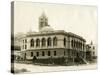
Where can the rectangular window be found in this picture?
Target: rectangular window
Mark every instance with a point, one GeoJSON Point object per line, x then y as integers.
{"type": "Point", "coordinates": [64, 52]}
{"type": "Point", "coordinates": [54, 53]}
{"type": "Point", "coordinates": [31, 54]}
{"type": "Point", "coordinates": [37, 54]}
{"type": "Point", "coordinates": [48, 53]}
{"type": "Point", "coordinates": [43, 54]}
{"type": "Point", "coordinates": [25, 46]}
{"type": "Point", "coordinates": [64, 41]}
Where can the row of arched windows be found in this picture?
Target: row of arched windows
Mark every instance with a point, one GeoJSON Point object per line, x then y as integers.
{"type": "Point", "coordinates": [77, 44]}
{"type": "Point", "coordinates": [43, 42]}
{"type": "Point", "coordinates": [49, 42]}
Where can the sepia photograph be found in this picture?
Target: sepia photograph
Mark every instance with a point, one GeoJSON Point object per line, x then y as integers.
{"type": "Point", "coordinates": [50, 37]}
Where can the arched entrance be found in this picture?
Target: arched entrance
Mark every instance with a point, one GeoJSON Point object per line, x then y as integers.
{"type": "Point", "coordinates": [34, 59]}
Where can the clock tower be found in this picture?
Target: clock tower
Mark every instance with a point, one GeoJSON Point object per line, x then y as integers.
{"type": "Point", "coordinates": [43, 21]}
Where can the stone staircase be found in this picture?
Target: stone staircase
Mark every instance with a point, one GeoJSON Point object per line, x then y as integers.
{"type": "Point", "coordinates": [84, 61]}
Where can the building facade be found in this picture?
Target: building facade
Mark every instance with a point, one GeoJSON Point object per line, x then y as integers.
{"type": "Point", "coordinates": [49, 43]}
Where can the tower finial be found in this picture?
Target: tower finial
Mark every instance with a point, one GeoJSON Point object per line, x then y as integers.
{"type": "Point", "coordinates": [43, 14]}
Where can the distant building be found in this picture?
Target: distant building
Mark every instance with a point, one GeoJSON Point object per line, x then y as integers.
{"type": "Point", "coordinates": [52, 44]}
{"type": "Point", "coordinates": [91, 51]}
{"type": "Point", "coordinates": [16, 46]}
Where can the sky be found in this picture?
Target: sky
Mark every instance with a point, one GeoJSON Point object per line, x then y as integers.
{"type": "Point", "coordinates": [78, 19]}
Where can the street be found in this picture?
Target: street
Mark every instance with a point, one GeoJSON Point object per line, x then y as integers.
{"type": "Point", "coordinates": [37, 68]}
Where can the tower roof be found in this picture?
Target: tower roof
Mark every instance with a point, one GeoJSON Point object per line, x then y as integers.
{"type": "Point", "coordinates": [43, 15]}
{"type": "Point", "coordinates": [47, 29]}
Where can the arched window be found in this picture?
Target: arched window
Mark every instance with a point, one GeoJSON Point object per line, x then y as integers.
{"type": "Point", "coordinates": [43, 42]}
{"type": "Point", "coordinates": [37, 42]}
{"type": "Point", "coordinates": [76, 44]}
{"type": "Point", "coordinates": [54, 41]}
{"type": "Point", "coordinates": [72, 43]}
{"type": "Point", "coordinates": [64, 41]}
{"type": "Point", "coordinates": [32, 43]}
{"type": "Point", "coordinates": [83, 46]}
{"type": "Point", "coordinates": [49, 41]}
{"type": "Point", "coordinates": [79, 45]}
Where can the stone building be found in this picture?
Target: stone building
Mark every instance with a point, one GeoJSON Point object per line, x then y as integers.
{"type": "Point", "coordinates": [52, 44]}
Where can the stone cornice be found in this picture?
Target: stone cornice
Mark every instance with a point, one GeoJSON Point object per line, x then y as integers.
{"type": "Point", "coordinates": [56, 32]}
